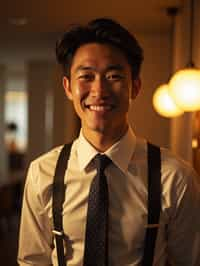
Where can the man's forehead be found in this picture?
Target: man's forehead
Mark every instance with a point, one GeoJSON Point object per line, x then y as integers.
{"type": "Point", "coordinates": [93, 51]}
{"type": "Point", "coordinates": [89, 66]}
{"type": "Point", "coordinates": [96, 55]}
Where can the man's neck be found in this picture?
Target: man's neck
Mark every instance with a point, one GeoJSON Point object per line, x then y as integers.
{"type": "Point", "coordinates": [102, 141]}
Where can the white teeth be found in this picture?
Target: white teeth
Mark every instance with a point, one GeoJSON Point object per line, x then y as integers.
{"type": "Point", "coordinates": [99, 107]}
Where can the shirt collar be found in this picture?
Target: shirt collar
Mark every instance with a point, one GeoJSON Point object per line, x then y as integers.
{"type": "Point", "coordinates": [120, 152]}
{"type": "Point", "coordinates": [85, 151]}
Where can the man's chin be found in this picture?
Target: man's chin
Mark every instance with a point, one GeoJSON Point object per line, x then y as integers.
{"type": "Point", "coordinates": [99, 128]}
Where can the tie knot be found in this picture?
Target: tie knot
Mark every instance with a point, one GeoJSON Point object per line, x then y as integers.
{"type": "Point", "coordinates": [102, 161]}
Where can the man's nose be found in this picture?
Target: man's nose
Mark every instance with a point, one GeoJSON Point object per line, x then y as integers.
{"type": "Point", "coordinates": [100, 87]}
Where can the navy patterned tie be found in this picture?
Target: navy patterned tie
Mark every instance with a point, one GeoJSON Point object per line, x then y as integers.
{"type": "Point", "coordinates": [96, 240]}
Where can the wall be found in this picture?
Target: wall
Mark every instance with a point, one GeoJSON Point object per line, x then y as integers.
{"type": "Point", "coordinates": [181, 127]}
{"type": "Point", "coordinates": [3, 157]}
{"type": "Point", "coordinates": [197, 34]}
{"type": "Point", "coordinates": [39, 83]}
{"type": "Point", "coordinates": [155, 71]}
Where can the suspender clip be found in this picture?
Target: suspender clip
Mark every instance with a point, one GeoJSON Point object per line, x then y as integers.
{"type": "Point", "coordinates": [58, 233]}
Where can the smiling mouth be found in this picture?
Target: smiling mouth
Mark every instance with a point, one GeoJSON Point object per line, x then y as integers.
{"type": "Point", "coordinates": [99, 107]}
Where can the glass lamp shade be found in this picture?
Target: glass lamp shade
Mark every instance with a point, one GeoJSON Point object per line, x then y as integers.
{"type": "Point", "coordinates": [184, 88]}
{"type": "Point", "coordinates": [164, 104]}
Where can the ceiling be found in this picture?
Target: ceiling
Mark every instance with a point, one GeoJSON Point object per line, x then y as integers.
{"type": "Point", "coordinates": [53, 16]}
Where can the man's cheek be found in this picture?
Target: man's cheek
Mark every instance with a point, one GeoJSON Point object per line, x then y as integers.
{"type": "Point", "coordinates": [80, 92]}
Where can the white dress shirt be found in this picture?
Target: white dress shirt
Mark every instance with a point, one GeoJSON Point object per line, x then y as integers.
{"type": "Point", "coordinates": [179, 228]}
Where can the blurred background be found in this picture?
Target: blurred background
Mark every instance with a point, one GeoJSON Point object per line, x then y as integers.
{"type": "Point", "coordinates": [34, 112]}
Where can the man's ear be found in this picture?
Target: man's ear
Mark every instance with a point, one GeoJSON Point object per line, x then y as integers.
{"type": "Point", "coordinates": [136, 86]}
{"type": "Point", "coordinates": [66, 85]}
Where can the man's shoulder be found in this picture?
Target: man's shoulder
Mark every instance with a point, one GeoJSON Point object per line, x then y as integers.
{"type": "Point", "coordinates": [47, 161]}
{"type": "Point", "coordinates": [169, 160]}
{"type": "Point", "coordinates": [176, 171]}
{"type": "Point", "coordinates": [42, 169]}
{"type": "Point", "coordinates": [48, 157]}
{"type": "Point", "coordinates": [173, 161]}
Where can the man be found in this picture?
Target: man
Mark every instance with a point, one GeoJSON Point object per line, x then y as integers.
{"type": "Point", "coordinates": [101, 63]}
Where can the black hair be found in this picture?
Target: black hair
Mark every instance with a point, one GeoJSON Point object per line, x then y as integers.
{"type": "Point", "coordinates": [101, 30]}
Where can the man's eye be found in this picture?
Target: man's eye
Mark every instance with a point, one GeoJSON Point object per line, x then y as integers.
{"type": "Point", "coordinates": [115, 77]}
{"type": "Point", "coordinates": [86, 77]}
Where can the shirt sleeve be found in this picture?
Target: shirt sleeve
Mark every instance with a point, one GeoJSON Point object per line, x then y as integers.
{"type": "Point", "coordinates": [183, 233]}
{"type": "Point", "coordinates": [35, 238]}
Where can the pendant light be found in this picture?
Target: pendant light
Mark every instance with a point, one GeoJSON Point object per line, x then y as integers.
{"type": "Point", "coordinates": [164, 104]}
{"type": "Point", "coordinates": [162, 101]}
{"type": "Point", "coordinates": [184, 86]}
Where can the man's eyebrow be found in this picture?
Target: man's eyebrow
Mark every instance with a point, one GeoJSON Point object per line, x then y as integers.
{"type": "Point", "coordinates": [82, 67]}
{"type": "Point", "coordinates": [115, 67]}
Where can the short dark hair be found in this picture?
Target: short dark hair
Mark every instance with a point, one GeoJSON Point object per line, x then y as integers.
{"type": "Point", "coordinates": [101, 30]}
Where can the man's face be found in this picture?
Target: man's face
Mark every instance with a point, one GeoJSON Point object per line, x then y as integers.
{"type": "Point", "coordinates": [101, 87]}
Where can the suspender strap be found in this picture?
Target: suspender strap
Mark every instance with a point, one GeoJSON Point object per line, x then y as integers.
{"type": "Point", "coordinates": [58, 199]}
{"type": "Point", "coordinates": [154, 203]}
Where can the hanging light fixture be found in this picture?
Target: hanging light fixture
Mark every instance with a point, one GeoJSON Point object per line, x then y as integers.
{"type": "Point", "coordinates": [164, 104]}
{"type": "Point", "coordinates": [184, 86]}
{"type": "Point", "coordinates": [162, 101]}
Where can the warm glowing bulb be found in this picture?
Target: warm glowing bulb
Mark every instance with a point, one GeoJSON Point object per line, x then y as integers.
{"type": "Point", "coordinates": [164, 104]}
{"type": "Point", "coordinates": [194, 143]}
{"type": "Point", "coordinates": [185, 89]}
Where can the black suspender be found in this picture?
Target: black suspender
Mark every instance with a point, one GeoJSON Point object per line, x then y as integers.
{"type": "Point", "coordinates": [58, 199]}
{"type": "Point", "coordinates": [154, 202]}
